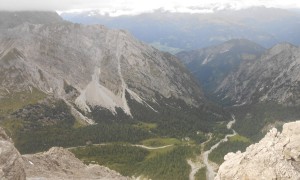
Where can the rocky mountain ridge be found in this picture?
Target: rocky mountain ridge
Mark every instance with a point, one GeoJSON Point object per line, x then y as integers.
{"type": "Point", "coordinates": [272, 77]}
{"type": "Point", "coordinates": [207, 55]}
{"type": "Point", "coordinates": [97, 65]}
{"type": "Point", "coordinates": [212, 65]}
{"type": "Point", "coordinates": [276, 156]}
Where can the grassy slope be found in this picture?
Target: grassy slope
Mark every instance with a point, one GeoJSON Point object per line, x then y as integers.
{"type": "Point", "coordinates": [50, 123]}
{"type": "Point", "coordinates": [14, 101]}
{"type": "Point", "coordinates": [234, 144]}
{"type": "Point", "coordinates": [33, 134]}
{"type": "Point", "coordinates": [166, 163]}
{"type": "Point", "coordinates": [201, 174]}
{"type": "Point", "coordinates": [251, 120]}
{"type": "Point", "coordinates": [122, 158]}
{"type": "Point", "coordinates": [156, 142]}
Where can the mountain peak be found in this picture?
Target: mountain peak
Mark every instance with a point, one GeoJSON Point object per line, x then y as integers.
{"type": "Point", "coordinates": [282, 46]}
{"type": "Point", "coordinates": [10, 19]}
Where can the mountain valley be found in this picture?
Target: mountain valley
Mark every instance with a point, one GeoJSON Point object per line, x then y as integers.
{"type": "Point", "coordinates": [69, 85]}
{"type": "Point", "coordinates": [89, 102]}
{"type": "Point", "coordinates": [213, 64]}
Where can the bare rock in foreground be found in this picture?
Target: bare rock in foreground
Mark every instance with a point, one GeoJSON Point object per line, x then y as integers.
{"type": "Point", "coordinates": [11, 163]}
{"type": "Point", "coordinates": [59, 163]}
{"type": "Point", "coordinates": [276, 156]}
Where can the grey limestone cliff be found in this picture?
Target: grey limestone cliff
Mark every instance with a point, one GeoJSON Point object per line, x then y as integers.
{"type": "Point", "coordinates": [272, 77]}
{"type": "Point", "coordinates": [276, 156]}
{"type": "Point", "coordinates": [101, 64]}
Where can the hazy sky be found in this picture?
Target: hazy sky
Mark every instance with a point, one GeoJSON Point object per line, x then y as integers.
{"type": "Point", "coordinates": [117, 7]}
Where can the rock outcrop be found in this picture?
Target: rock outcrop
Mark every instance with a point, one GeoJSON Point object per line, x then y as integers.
{"type": "Point", "coordinates": [276, 156]}
{"type": "Point", "coordinates": [11, 163]}
{"type": "Point", "coordinates": [57, 163]}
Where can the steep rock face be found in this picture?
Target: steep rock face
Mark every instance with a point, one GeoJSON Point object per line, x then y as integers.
{"type": "Point", "coordinates": [59, 163]}
{"type": "Point", "coordinates": [101, 65]}
{"type": "Point", "coordinates": [211, 65]}
{"type": "Point", "coordinates": [276, 156]}
{"type": "Point", "coordinates": [272, 77]}
{"type": "Point", "coordinates": [11, 163]}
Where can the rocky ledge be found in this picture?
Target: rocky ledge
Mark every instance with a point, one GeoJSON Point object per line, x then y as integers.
{"type": "Point", "coordinates": [57, 163]}
{"type": "Point", "coordinates": [276, 156]}
{"type": "Point", "coordinates": [11, 162]}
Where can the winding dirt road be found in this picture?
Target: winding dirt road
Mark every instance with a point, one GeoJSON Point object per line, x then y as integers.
{"type": "Point", "coordinates": [210, 173]}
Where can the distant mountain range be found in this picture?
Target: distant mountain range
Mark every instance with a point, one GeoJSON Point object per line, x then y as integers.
{"type": "Point", "coordinates": [272, 77]}
{"type": "Point", "coordinates": [175, 32]}
{"type": "Point", "coordinates": [68, 84]}
{"type": "Point", "coordinates": [213, 64]}
{"type": "Point", "coordinates": [260, 86]}
{"type": "Point", "coordinates": [245, 73]}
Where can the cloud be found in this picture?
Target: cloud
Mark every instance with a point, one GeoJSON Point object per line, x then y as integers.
{"type": "Point", "coordinates": [138, 6]}
{"type": "Point", "coordinates": [53, 4]}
